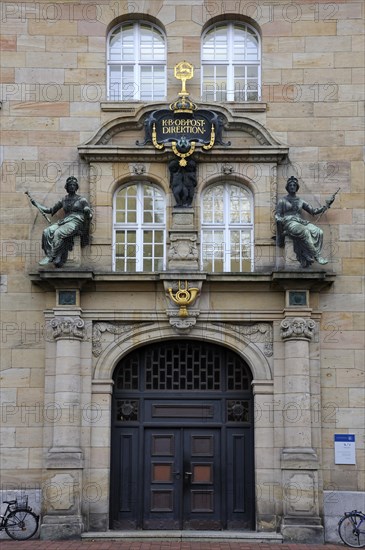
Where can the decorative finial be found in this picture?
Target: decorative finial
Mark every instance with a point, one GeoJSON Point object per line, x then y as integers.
{"type": "Point", "coordinates": [183, 71]}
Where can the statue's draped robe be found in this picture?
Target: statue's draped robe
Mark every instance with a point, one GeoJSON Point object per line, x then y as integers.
{"type": "Point", "coordinates": [58, 238]}
{"type": "Point", "coordinates": [307, 238]}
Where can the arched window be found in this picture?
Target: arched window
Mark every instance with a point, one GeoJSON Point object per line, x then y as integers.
{"type": "Point", "coordinates": [139, 228]}
{"type": "Point", "coordinates": [136, 62]}
{"type": "Point", "coordinates": [227, 228]}
{"type": "Point", "coordinates": [231, 63]}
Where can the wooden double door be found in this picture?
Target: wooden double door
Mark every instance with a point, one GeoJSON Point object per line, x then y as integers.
{"type": "Point", "coordinates": [182, 459]}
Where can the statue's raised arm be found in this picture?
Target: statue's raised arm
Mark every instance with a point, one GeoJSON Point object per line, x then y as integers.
{"type": "Point", "coordinates": [306, 236]}
{"type": "Point", "coordinates": [58, 238]}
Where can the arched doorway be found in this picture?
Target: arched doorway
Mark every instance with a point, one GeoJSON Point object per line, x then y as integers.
{"type": "Point", "coordinates": [182, 439]}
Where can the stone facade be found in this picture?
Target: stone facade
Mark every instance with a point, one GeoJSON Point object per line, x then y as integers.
{"type": "Point", "coordinates": [306, 359]}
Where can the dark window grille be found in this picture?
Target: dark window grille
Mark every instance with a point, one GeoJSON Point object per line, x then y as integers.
{"type": "Point", "coordinates": [127, 376]}
{"type": "Point", "coordinates": [183, 366]}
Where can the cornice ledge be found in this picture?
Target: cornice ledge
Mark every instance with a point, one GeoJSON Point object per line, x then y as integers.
{"type": "Point", "coordinates": [282, 280]}
{"type": "Point", "coordinates": [116, 153]}
{"type": "Point", "coordinates": [302, 280]}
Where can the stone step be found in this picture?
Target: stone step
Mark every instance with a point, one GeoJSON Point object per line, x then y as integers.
{"type": "Point", "coordinates": [228, 536]}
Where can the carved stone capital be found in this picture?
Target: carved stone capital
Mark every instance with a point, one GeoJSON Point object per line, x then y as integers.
{"type": "Point", "coordinates": [69, 328]}
{"type": "Point", "coordinates": [297, 328]}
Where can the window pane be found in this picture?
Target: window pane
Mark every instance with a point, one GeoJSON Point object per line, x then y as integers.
{"type": "Point", "coordinates": [134, 44]}
{"type": "Point", "coordinates": [129, 86]}
{"type": "Point", "coordinates": [114, 83]}
{"type": "Point", "coordinates": [229, 248]}
{"type": "Point", "coordinates": [226, 45]}
{"type": "Point", "coordinates": [141, 205]}
{"type": "Point", "coordinates": [213, 250]}
{"type": "Point", "coordinates": [127, 42]}
{"type": "Point", "coordinates": [115, 46]}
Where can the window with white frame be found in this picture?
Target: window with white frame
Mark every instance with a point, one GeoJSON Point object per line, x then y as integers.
{"type": "Point", "coordinates": [136, 62]}
{"type": "Point", "coordinates": [227, 228]}
{"type": "Point", "coordinates": [231, 63]}
{"type": "Point", "coordinates": [139, 228]}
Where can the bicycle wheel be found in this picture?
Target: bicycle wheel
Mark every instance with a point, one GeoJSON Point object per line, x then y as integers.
{"type": "Point", "coordinates": [21, 524]}
{"type": "Point", "coordinates": [352, 530]}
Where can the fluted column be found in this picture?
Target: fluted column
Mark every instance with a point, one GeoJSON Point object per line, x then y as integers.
{"type": "Point", "coordinates": [299, 461]}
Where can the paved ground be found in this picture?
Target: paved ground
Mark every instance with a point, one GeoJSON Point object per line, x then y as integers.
{"type": "Point", "coordinates": [163, 545]}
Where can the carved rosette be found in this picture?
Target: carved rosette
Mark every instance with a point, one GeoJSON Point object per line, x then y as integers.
{"type": "Point", "coordinates": [70, 328]}
{"type": "Point", "coordinates": [297, 328]}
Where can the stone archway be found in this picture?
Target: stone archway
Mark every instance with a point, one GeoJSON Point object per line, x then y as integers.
{"type": "Point", "coordinates": [119, 339]}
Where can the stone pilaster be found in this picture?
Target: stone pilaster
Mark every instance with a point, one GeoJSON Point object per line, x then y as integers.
{"type": "Point", "coordinates": [299, 462]}
{"type": "Point", "coordinates": [64, 460]}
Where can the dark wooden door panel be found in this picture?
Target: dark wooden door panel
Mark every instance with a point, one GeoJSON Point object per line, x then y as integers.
{"type": "Point", "coordinates": [202, 479]}
{"type": "Point", "coordinates": [240, 479]}
{"type": "Point", "coordinates": [162, 499]}
{"type": "Point", "coordinates": [125, 489]}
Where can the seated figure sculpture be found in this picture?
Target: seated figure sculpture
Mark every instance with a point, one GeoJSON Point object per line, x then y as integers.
{"type": "Point", "coordinates": [58, 238]}
{"type": "Point", "coordinates": [307, 237]}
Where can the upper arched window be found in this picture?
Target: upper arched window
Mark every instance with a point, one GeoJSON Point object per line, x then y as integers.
{"type": "Point", "coordinates": [139, 228]}
{"type": "Point", "coordinates": [136, 62]}
{"type": "Point", "coordinates": [227, 228]}
{"type": "Point", "coordinates": [231, 63]}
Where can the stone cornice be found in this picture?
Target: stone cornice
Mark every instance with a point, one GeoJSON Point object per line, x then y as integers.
{"type": "Point", "coordinates": [117, 153]}
{"type": "Point", "coordinates": [279, 280]}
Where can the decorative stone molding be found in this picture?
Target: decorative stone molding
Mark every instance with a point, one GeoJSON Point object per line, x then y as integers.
{"type": "Point", "coordinates": [113, 328]}
{"type": "Point", "coordinates": [139, 169]}
{"type": "Point", "coordinates": [297, 328]}
{"type": "Point", "coordinates": [183, 247]}
{"type": "Point", "coordinates": [68, 328]}
{"type": "Point", "coordinates": [255, 332]}
{"type": "Point", "coordinates": [182, 325]}
{"type": "Point", "coordinates": [227, 168]}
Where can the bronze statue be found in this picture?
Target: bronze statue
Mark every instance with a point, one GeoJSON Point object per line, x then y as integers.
{"type": "Point", "coordinates": [183, 181]}
{"type": "Point", "coordinates": [307, 238]}
{"type": "Point", "coordinates": [58, 238]}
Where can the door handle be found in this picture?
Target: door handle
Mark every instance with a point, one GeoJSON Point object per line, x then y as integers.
{"type": "Point", "coordinates": [187, 475]}
{"type": "Point", "coordinates": [176, 474]}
